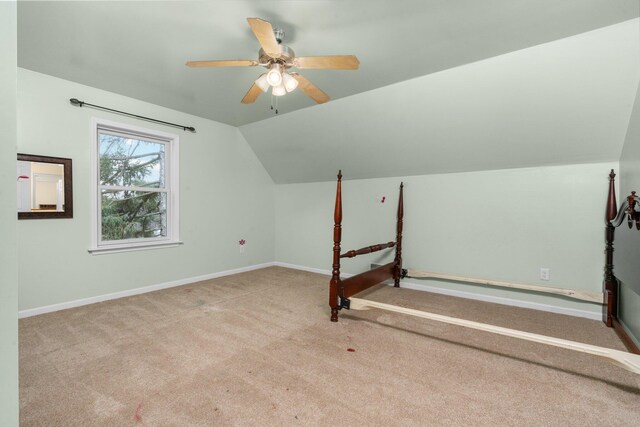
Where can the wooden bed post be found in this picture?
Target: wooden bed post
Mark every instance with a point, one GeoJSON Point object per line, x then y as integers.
{"type": "Point", "coordinates": [397, 271]}
{"type": "Point", "coordinates": [337, 236]}
{"type": "Point", "coordinates": [610, 307]}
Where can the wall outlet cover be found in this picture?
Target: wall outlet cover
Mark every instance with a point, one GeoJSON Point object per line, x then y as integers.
{"type": "Point", "coordinates": [544, 273]}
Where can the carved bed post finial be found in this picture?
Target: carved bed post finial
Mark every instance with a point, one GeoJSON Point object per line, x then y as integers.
{"type": "Point", "coordinates": [337, 236]}
{"type": "Point", "coordinates": [397, 273]}
{"type": "Point", "coordinates": [612, 205]}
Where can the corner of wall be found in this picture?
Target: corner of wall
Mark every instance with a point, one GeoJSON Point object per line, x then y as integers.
{"type": "Point", "coordinates": [8, 218]}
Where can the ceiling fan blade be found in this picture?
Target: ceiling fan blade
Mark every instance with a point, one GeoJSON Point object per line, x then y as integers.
{"type": "Point", "coordinates": [224, 63]}
{"type": "Point", "coordinates": [341, 62]}
{"type": "Point", "coordinates": [252, 94]}
{"type": "Point", "coordinates": [264, 33]}
{"type": "Point", "coordinates": [310, 89]}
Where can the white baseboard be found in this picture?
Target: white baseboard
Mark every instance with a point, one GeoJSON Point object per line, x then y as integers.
{"type": "Point", "coordinates": [428, 288]}
{"type": "Point", "coordinates": [309, 269]}
{"type": "Point", "coordinates": [505, 301]}
{"type": "Point", "coordinates": [129, 292]}
{"type": "Point", "coordinates": [471, 295]}
{"type": "Point", "coordinates": [629, 333]}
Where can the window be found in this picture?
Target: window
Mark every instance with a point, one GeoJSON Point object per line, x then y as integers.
{"type": "Point", "coordinates": [135, 188]}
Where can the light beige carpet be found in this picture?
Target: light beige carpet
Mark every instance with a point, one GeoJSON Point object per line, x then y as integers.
{"type": "Point", "coordinates": [258, 349]}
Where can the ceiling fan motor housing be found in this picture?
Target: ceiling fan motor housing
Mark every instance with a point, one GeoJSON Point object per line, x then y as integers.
{"type": "Point", "coordinates": [286, 56]}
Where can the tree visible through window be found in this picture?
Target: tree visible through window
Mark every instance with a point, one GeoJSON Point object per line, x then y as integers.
{"type": "Point", "coordinates": [127, 168]}
{"type": "Point", "coordinates": [134, 187]}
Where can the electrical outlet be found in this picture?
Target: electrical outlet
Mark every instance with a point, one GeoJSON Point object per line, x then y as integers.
{"type": "Point", "coordinates": [544, 273]}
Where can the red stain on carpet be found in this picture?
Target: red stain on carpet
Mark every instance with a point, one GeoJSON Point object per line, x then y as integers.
{"type": "Point", "coordinates": [138, 414]}
{"type": "Point", "coordinates": [351, 349]}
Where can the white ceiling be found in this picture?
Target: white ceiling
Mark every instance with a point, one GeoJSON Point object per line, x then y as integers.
{"type": "Point", "coordinates": [443, 86]}
{"type": "Point", "coordinates": [139, 49]}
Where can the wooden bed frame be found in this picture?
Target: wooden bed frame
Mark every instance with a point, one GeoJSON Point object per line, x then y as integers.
{"type": "Point", "coordinates": [615, 217]}
{"type": "Point", "coordinates": [341, 289]}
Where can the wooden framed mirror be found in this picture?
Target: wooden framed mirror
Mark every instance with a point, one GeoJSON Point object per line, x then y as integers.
{"type": "Point", "coordinates": [44, 187]}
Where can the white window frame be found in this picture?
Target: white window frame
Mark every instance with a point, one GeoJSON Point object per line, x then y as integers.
{"type": "Point", "coordinates": [172, 162]}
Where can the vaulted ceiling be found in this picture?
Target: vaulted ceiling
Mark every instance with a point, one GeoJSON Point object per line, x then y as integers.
{"type": "Point", "coordinates": [443, 86]}
{"type": "Point", "coordinates": [565, 102]}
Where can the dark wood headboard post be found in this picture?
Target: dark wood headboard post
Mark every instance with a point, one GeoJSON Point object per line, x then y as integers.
{"type": "Point", "coordinates": [397, 270]}
{"type": "Point", "coordinates": [337, 236]}
{"type": "Point", "coordinates": [610, 308]}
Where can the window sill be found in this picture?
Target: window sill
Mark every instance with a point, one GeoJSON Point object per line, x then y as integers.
{"type": "Point", "coordinates": [132, 247]}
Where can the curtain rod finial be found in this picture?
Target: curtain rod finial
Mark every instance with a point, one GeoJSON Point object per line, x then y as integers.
{"type": "Point", "coordinates": [75, 101]}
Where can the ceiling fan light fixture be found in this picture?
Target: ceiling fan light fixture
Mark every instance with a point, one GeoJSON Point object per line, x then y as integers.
{"type": "Point", "coordinates": [290, 83]}
{"type": "Point", "coordinates": [274, 75]}
{"type": "Point", "coordinates": [262, 82]}
{"type": "Point", "coordinates": [278, 90]}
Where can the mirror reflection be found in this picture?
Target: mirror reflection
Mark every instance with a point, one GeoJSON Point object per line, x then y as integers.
{"type": "Point", "coordinates": [40, 187]}
{"type": "Point", "coordinates": [43, 187]}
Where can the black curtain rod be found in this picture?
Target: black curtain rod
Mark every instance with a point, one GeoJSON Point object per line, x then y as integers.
{"type": "Point", "coordinates": [79, 103]}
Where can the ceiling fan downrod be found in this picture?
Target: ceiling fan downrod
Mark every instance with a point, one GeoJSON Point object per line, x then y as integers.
{"type": "Point", "coordinates": [279, 34]}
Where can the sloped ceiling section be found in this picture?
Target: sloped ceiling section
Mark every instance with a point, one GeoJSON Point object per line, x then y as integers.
{"type": "Point", "coordinates": [139, 48]}
{"type": "Point", "coordinates": [564, 102]}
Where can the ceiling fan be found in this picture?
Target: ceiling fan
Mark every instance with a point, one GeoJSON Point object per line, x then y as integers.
{"type": "Point", "coordinates": [277, 58]}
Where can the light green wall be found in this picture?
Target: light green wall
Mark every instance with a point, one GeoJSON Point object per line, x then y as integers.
{"type": "Point", "coordinates": [8, 221]}
{"type": "Point", "coordinates": [502, 224]}
{"type": "Point", "coordinates": [628, 244]}
{"type": "Point", "coordinates": [225, 195]}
